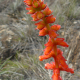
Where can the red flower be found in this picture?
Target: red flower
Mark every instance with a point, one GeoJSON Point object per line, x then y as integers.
{"type": "Point", "coordinates": [66, 69]}
{"type": "Point", "coordinates": [40, 11]}
{"type": "Point", "coordinates": [59, 55]}
{"type": "Point", "coordinates": [52, 34]}
{"type": "Point", "coordinates": [37, 16]}
{"type": "Point", "coordinates": [47, 11]}
{"type": "Point", "coordinates": [42, 6]}
{"type": "Point", "coordinates": [56, 74]}
{"type": "Point", "coordinates": [35, 4]}
{"type": "Point", "coordinates": [61, 42]}
{"type": "Point", "coordinates": [47, 50]}
{"type": "Point", "coordinates": [31, 10]}
{"type": "Point", "coordinates": [55, 27]}
{"type": "Point", "coordinates": [43, 32]}
{"type": "Point", "coordinates": [28, 2]}
{"type": "Point", "coordinates": [49, 46]}
{"type": "Point", "coordinates": [41, 58]}
{"type": "Point", "coordinates": [50, 19]}
{"type": "Point", "coordinates": [40, 25]}
{"type": "Point", "coordinates": [50, 66]}
{"type": "Point", "coordinates": [49, 43]}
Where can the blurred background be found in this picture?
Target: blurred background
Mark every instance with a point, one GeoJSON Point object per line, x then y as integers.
{"type": "Point", "coordinates": [20, 44]}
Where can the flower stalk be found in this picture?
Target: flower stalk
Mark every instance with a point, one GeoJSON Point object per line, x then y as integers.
{"type": "Point", "coordinates": [41, 13]}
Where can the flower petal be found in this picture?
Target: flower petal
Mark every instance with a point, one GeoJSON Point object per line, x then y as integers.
{"type": "Point", "coordinates": [47, 50]}
{"type": "Point", "coordinates": [55, 27]}
{"type": "Point", "coordinates": [47, 11]}
{"type": "Point", "coordinates": [49, 43]}
{"type": "Point", "coordinates": [50, 66]}
{"type": "Point", "coordinates": [41, 58]}
{"type": "Point", "coordinates": [43, 32]}
{"type": "Point", "coordinates": [42, 5]}
{"type": "Point", "coordinates": [50, 19]}
{"type": "Point", "coordinates": [52, 34]}
{"type": "Point", "coordinates": [35, 4]}
{"type": "Point", "coordinates": [40, 25]}
{"type": "Point", "coordinates": [61, 42]}
{"type": "Point", "coordinates": [28, 2]}
{"type": "Point", "coordinates": [31, 10]}
{"type": "Point", "coordinates": [56, 74]}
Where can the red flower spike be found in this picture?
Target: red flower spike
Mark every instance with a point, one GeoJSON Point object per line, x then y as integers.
{"type": "Point", "coordinates": [50, 19]}
{"type": "Point", "coordinates": [40, 11]}
{"type": "Point", "coordinates": [28, 2]}
{"type": "Point", "coordinates": [55, 27]}
{"type": "Point", "coordinates": [61, 42]}
{"type": "Point", "coordinates": [43, 32]}
{"type": "Point", "coordinates": [47, 11]}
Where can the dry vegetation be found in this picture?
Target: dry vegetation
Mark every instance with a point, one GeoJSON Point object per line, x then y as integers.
{"type": "Point", "coordinates": [26, 46]}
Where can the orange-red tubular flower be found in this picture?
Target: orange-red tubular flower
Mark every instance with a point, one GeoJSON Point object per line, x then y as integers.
{"type": "Point", "coordinates": [49, 46]}
{"type": "Point", "coordinates": [41, 58]}
{"type": "Point", "coordinates": [59, 55]}
{"type": "Point", "coordinates": [35, 3]}
{"type": "Point", "coordinates": [42, 14]}
{"type": "Point", "coordinates": [50, 66]}
{"type": "Point", "coordinates": [37, 16]}
{"type": "Point", "coordinates": [31, 10]}
{"type": "Point", "coordinates": [56, 74]}
{"type": "Point", "coordinates": [28, 2]}
{"type": "Point", "coordinates": [46, 56]}
{"type": "Point", "coordinates": [49, 43]}
{"type": "Point", "coordinates": [43, 32]}
{"type": "Point", "coordinates": [61, 42]}
{"type": "Point", "coordinates": [42, 6]}
{"type": "Point", "coordinates": [55, 27]}
{"type": "Point", "coordinates": [47, 11]}
{"type": "Point", "coordinates": [47, 50]}
{"type": "Point", "coordinates": [40, 25]}
{"type": "Point", "coordinates": [52, 34]}
{"type": "Point", "coordinates": [67, 69]}
{"type": "Point", "coordinates": [50, 19]}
